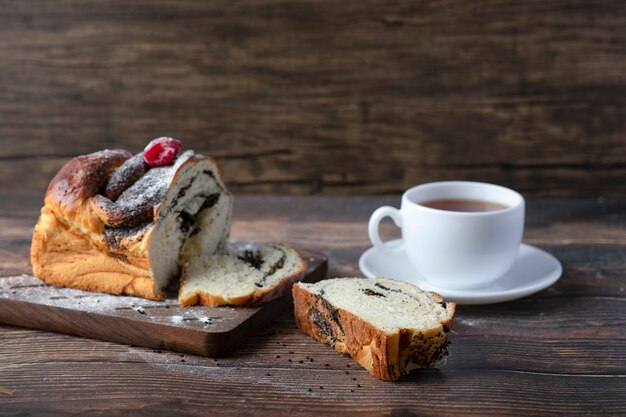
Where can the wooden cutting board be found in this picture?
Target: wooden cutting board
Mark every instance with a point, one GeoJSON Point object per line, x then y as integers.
{"type": "Point", "coordinates": [26, 301]}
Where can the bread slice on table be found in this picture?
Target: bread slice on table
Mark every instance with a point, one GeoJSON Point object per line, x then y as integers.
{"type": "Point", "coordinates": [389, 327]}
{"type": "Point", "coordinates": [248, 275]}
{"type": "Point", "coordinates": [113, 224]}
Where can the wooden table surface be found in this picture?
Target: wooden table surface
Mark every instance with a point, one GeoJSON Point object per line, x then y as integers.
{"type": "Point", "coordinates": [562, 350]}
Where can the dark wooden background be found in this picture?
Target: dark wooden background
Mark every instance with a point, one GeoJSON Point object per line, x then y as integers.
{"type": "Point", "coordinates": [320, 96]}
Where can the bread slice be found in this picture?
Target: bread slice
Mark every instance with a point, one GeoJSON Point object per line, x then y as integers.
{"type": "Point", "coordinates": [389, 327]}
{"type": "Point", "coordinates": [248, 275]}
{"type": "Point", "coordinates": [112, 224]}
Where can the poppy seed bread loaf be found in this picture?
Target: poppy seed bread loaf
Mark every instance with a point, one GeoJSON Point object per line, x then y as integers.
{"type": "Point", "coordinates": [389, 327]}
{"type": "Point", "coordinates": [111, 223]}
{"type": "Point", "coordinates": [249, 275]}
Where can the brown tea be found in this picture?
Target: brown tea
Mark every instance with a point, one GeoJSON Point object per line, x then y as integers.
{"type": "Point", "coordinates": [463, 205]}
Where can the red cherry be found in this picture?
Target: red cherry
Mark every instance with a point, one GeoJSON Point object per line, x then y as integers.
{"type": "Point", "coordinates": [161, 151]}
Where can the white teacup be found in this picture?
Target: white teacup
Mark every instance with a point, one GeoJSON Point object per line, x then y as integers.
{"type": "Point", "coordinates": [456, 249]}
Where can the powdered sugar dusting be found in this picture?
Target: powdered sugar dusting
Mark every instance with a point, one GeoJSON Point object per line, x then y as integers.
{"type": "Point", "coordinates": [30, 289]}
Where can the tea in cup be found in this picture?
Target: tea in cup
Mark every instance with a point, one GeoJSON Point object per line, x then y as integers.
{"type": "Point", "coordinates": [457, 234]}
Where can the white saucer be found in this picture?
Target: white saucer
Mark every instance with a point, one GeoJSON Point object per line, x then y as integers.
{"type": "Point", "coordinates": [533, 270]}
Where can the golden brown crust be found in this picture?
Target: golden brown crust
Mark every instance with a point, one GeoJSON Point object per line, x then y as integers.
{"type": "Point", "coordinates": [119, 216]}
{"type": "Point", "coordinates": [63, 257]}
{"type": "Point", "coordinates": [386, 355]}
{"type": "Point", "coordinates": [348, 333]}
{"type": "Point", "coordinates": [82, 178]}
{"type": "Point", "coordinates": [132, 169]}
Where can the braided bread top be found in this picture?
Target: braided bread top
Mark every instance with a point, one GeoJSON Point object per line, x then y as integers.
{"type": "Point", "coordinates": [110, 189]}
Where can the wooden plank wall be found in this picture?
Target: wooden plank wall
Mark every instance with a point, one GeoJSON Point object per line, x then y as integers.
{"type": "Point", "coordinates": [320, 96]}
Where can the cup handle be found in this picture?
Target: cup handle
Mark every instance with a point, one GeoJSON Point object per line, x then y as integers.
{"type": "Point", "coordinates": [377, 216]}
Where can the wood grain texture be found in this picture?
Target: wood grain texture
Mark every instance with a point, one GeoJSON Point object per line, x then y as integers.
{"type": "Point", "coordinates": [26, 301]}
{"type": "Point", "coordinates": [561, 351]}
{"type": "Point", "coordinates": [316, 97]}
